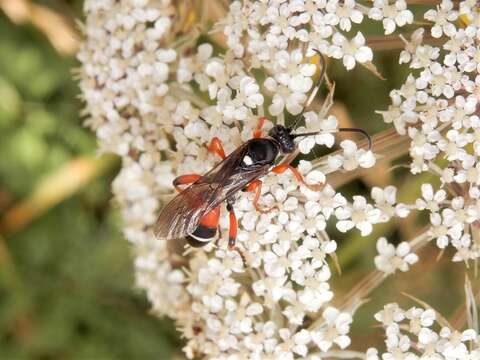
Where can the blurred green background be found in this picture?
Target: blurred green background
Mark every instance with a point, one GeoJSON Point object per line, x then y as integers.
{"type": "Point", "coordinates": [66, 277]}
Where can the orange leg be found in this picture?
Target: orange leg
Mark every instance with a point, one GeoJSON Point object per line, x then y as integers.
{"type": "Point", "coordinates": [258, 130]}
{"type": "Point", "coordinates": [232, 233]}
{"type": "Point", "coordinates": [283, 167]}
{"type": "Point", "coordinates": [256, 186]}
{"type": "Point", "coordinates": [216, 147]}
{"type": "Point", "coordinates": [185, 179]}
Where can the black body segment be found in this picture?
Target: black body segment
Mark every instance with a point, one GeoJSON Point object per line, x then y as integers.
{"type": "Point", "coordinates": [284, 138]}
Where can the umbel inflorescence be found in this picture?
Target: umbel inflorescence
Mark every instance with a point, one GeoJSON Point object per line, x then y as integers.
{"type": "Point", "coordinates": [159, 85]}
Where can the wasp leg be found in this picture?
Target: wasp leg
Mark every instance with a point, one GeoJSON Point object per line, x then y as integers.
{"type": "Point", "coordinates": [184, 180]}
{"type": "Point", "coordinates": [258, 130]}
{"type": "Point", "coordinates": [279, 169]}
{"type": "Point", "coordinates": [219, 236]}
{"type": "Point", "coordinates": [216, 147]}
{"type": "Point", "coordinates": [232, 234]}
{"type": "Point", "coordinates": [256, 186]}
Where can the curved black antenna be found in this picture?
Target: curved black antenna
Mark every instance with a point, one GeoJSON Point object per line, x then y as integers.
{"type": "Point", "coordinates": [361, 131]}
{"type": "Point", "coordinates": [357, 130]}
{"type": "Point", "coordinates": [323, 64]}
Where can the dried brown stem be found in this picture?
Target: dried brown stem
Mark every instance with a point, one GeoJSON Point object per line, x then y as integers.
{"type": "Point", "coordinates": [394, 42]}
{"type": "Point", "coordinates": [59, 30]}
{"type": "Point", "coordinates": [55, 188]}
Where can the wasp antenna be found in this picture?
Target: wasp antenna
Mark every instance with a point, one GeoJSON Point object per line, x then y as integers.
{"type": "Point", "coordinates": [358, 130]}
{"type": "Point", "coordinates": [314, 92]}
{"type": "Point", "coordinates": [306, 134]}
{"type": "Point", "coordinates": [361, 131]}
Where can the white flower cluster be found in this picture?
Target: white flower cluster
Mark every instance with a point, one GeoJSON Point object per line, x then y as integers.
{"type": "Point", "coordinates": [142, 104]}
{"type": "Point", "coordinates": [437, 108]}
{"type": "Point", "coordinates": [417, 334]}
{"type": "Point", "coordinates": [263, 31]}
{"type": "Point", "coordinates": [156, 96]}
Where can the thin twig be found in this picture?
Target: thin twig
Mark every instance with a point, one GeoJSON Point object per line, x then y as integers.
{"type": "Point", "coordinates": [440, 319]}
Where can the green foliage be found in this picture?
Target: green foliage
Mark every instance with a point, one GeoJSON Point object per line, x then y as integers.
{"type": "Point", "coordinates": [66, 280]}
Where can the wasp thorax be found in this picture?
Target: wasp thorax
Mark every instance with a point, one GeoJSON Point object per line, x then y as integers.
{"type": "Point", "coordinates": [259, 152]}
{"type": "Point", "coordinates": [282, 135]}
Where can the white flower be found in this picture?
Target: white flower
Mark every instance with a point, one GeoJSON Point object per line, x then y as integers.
{"type": "Point", "coordinates": [330, 200]}
{"type": "Point", "coordinates": [360, 215]}
{"type": "Point", "coordinates": [314, 221]}
{"type": "Point", "coordinates": [217, 70]}
{"type": "Point", "coordinates": [325, 127]}
{"type": "Point", "coordinates": [412, 46]}
{"type": "Point", "coordinates": [284, 97]}
{"type": "Point", "coordinates": [291, 82]}
{"type": "Point", "coordinates": [337, 327]}
{"type": "Point", "coordinates": [391, 259]}
{"type": "Point", "coordinates": [420, 318]}
{"type": "Point", "coordinates": [247, 97]}
{"type": "Point", "coordinates": [444, 229]}
{"type": "Point", "coordinates": [275, 261]}
{"type": "Point", "coordinates": [442, 18]}
{"type": "Point", "coordinates": [385, 200]}
{"type": "Point", "coordinates": [465, 249]}
{"type": "Point", "coordinates": [296, 344]}
{"type": "Point", "coordinates": [390, 315]}
{"type": "Point", "coordinates": [352, 157]}
{"type": "Point", "coordinates": [453, 346]}
{"type": "Point", "coordinates": [343, 14]}
{"type": "Point", "coordinates": [249, 92]}
{"type": "Point", "coordinates": [398, 347]}
{"type": "Point", "coordinates": [350, 50]}
{"type": "Point", "coordinates": [417, 326]}
{"type": "Point", "coordinates": [431, 200]}
{"type": "Point", "coordinates": [193, 68]}
{"type": "Point", "coordinates": [427, 337]}
{"type": "Point", "coordinates": [393, 15]}
{"type": "Point", "coordinates": [372, 354]}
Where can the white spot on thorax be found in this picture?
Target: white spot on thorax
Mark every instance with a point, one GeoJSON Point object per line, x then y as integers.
{"type": "Point", "coordinates": [247, 160]}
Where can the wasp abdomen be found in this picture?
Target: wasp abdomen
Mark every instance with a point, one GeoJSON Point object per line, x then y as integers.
{"type": "Point", "coordinates": [201, 236]}
{"type": "Point", "coordinates": [206, 230]}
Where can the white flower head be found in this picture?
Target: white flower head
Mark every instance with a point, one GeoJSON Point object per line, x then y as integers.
{"type": "Point", "coordinates": [326, 128]}
{"type": "Point", "coordinates": [352, 157]}
{"type": "Point", "coordinates": [392, 15]}
{"type": "Point", "coordinates": [443, 19]}
{"type": "Point", "coordinates": [430, 200]}
{"type": "Point", "coordinates": [343, 14]}
{"type": "Point", "coordinates": [391, 258]}
{"type": "Point", "coordinates": [360, 215]}
{"type": "Point", "coordinates": [337, 327]}
{"type": "Point", "coordinates": [385, 200]}
{"type": "Point", "coordinates": [351, 51]}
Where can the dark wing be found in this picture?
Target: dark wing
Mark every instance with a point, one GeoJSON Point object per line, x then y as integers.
{"type": "Point", "coordinates": [231, 175]}
{"type": "Point", "coordinates": [183, 213]}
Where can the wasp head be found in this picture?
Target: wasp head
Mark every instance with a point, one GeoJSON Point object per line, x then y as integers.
{"type": "Point", "coordinates": [283, 137]}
